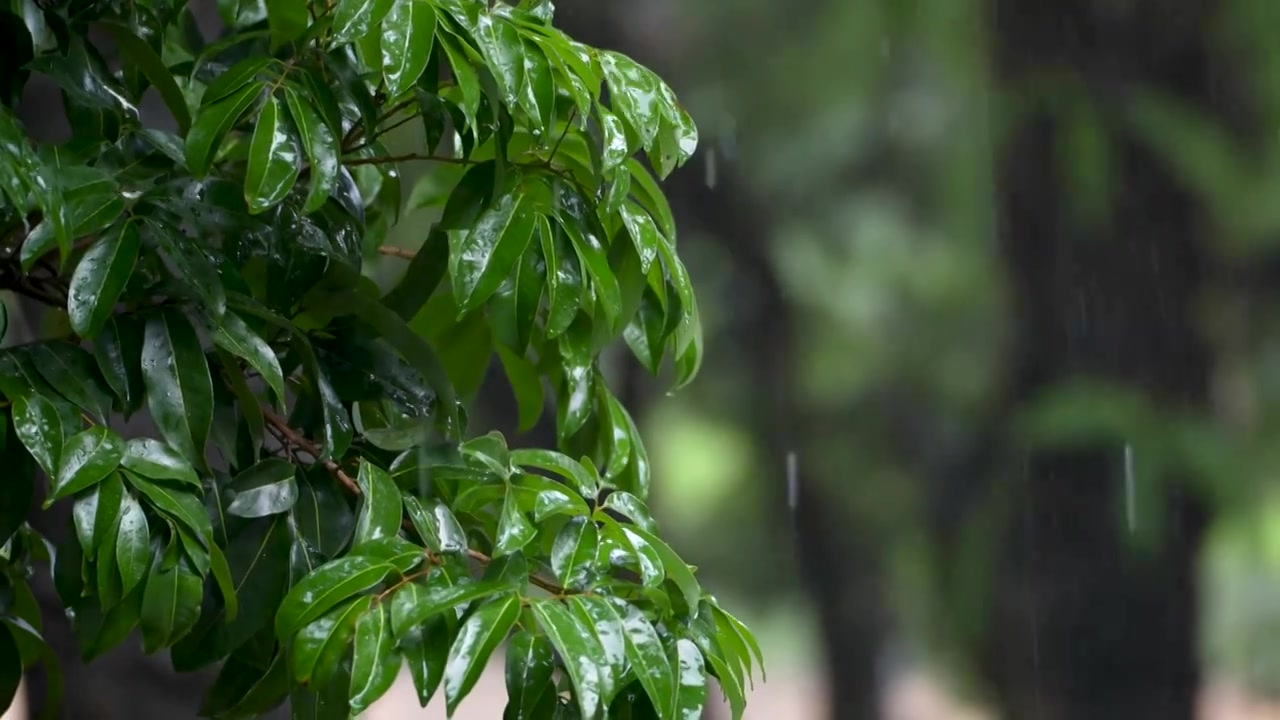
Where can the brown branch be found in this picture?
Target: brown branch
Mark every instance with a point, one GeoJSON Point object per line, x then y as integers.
{"type": "Point", "coordinates": [386, 159]}
{"type": "Point", "coordinates": [399, 252]}
{"type": "Point", "coordinates": [296, 438]}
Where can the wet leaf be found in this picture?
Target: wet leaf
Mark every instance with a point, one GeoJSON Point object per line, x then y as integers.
{"type": "Point", "coordinates": [320, 645]}
{"type": "Point", "coordinates": [412, 608]}
{"type": "Point", "coordinates": [100, 278]}
{"type": "Point", "coordinates": [329, 585]}
{"type": "Point", "coordinates": [483, 257]}
{"type": "Point", "coordinates": [86, 458]}
{"type": "Point", "coordinates": [426, 649]}
{"type": "Point", "coordinates": [274, 160]}
{"type": "Point", "coordinates": [170, 604]}
{"type": "Point", "coordinates": [648, 658]}
{"type": "Point", "coordinates": [140, 55]}
{"type": "Point", "coordinates": [478, 637]}
{"type": "Point", "coordinates": [408, 33]}
{"type": "Point", "coordinates": [573, 553]}
{"type": "Point", "coordinates": [676, 569]}
{"type": "Point", "coordinates": [133, 543]}
{"type": "Point", "coordinates": [232, 334]}
{"type": "Point", "coordinates": [38, 425]}
{"type": "Point", "coordinates": [267, 488]}
{"type": "Point", "coordinates": [514, 529]}
{"type": "Point", "coordinates": [380, 506]}
{"type": "Point", "coordinates": [157, 460]}
{"type": "Point", "coordinates": [179, 388]}
{"type": "Point", "coordinates": [634, 92]}
{"type": "Point", "coordinates": [353, 19]}
{"type": "Point", "coordinates": [321, 147]}
{"type": "Point", "coordinates": [594, 612]}
{"type": "Point", "coordinates": [375, 661]}
{"type": "Point", "coordinates": [691, 680]}
{"type": "Point", "coordinates": [118, 352]}
{"type": "Point", "coordinates": [73, 373]}
{"type": "Point", "coordinates": [559, 463]}
{"type": "Point", "coordinates": [530, 664]}
{"type": "Point", "coordinates": [212, 123]}
{"type": "Point", "coordinates": [176, 503]}
{"type": "Point", "coordinates": [578, 648]}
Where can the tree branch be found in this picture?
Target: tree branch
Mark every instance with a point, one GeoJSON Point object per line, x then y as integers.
{"type": "Point", "coordinates": [297, 438]}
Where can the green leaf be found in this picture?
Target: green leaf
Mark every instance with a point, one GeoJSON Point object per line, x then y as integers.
{"type": "Point", "coordinates": [72, 372]}
{"type": "Point", "coordinates": [133, 543]}
{"type": "Point", "coordinates": [464, 74]}
{"type": "Point", "coordinates": [635, 92]}
{"type": "Point", "coordinates": [483, 257]}
{"type": "Point", "coordinates": [287, 19]}
{"type": "Point", "coordinates": [337, 424]}
{"type": "Point", "coordinates": [376, 659]}
{"type": "Point", "coordinates": [394, 550]}
{"type": "Point", "coordinates": [193, 266]}
{"type": "Point", "coordinates": [87, 458]}
{"type": "Point", "coordinates": [380, 507]}
{"type": "Point", "coordinates": [648, 658]}
{"type": "Point", "coordinates": [118, 351]}
{"type": "Point", "coordinates": [436, 525]}
{"type": "Point", "coordinates": [579, 650]}
{"type": "Point", "coordinates": [274, 159]}
{"type": "Point", "coordinates": [322, 514]}
{"type": "Point", "coordinates": [226, 585]}
{"type": "Point", "coordinates": [648, 561]}
{"type": "Point", "coordinates": [644, 234]}
{"type": "Point", "coordinates": [178, 504]}
{"type": "Point", "coordinates": [170, 604]}
{"type": "Point", "coordinates": [422, 276]}
{"type": "Point", "coordinates": [157, 460]}
{"type": "Point", "coordinates": [179, 388]}
{"type": "Point", "coordinates": [426, 649]}
{"type": "Point", "coordinates": [594, 612]}
{"type": "Point", "coordinates": [329, 585]}
{"type": "Point", "coordinates": [615, 150]}
{"type": "Point", "coordinates": [676, 569]}
{"type": "Point", "coordinates": [550, 497]}
{"type": "Point", "coordinates": [100, 278]}
{"type": "Point", "coordinates": [573, 553]}
{"type": "Point", "coordinates": [514, 529]}
{"type": "Point", "coordinates": [729, 677]}
{"type": "Point", "coordinates": [321, 146]}
{"type": "Point", "coordinates": [559, 463]}
{"type": "Point", "coordinates": [319, 645]}
{"type": "Point", "coordinates": [353, 19]}
{"type": "Point", "coordinates": [412, 607]}
{"type": "Point", "coordinates": [647, 191]}
{"type": "Point", "coordinates": [140, 55]}
{"type": "Point", "coordinates": [526, 383]}
{"type": "Point", "coordinates": [232, 334]}
{"type": "Point", "coordinates": [478, 637]}
{"type": "Point", "coordinates": [530, 664]}
{"type": "Point", "coordinates": [38, 424]}
{"type": "Point", "coordinates": [573, 218]}
{"type": "Point", "coordinates": [732, 625]}
{"type": "Point", "coordinates": [503, 51]}
{"type": "Point", "coordinates": [691, 680]}
{"type": "Point", "coordinates": [214, 120]}
{"type": "Point", "coordinates": [408, 33]}
{"type": "Point", "coordinates": [267, 488]}
{"type": "Point", "coordinates": [632, 507]}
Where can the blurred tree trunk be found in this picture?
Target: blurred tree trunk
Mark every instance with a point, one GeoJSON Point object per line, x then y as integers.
{"type": "Point", "coordinates": [1081, 624]}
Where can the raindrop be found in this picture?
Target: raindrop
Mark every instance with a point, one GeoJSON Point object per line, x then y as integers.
{"type": "Point", "coordinates": [1130, 502]}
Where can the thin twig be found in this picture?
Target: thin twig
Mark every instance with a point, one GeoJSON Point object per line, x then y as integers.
{"type": "Point", "coordinates": [385, 159]}
{"type": "Point", "coordinates": [399, 252]}
{"type": "Point", "coordinates": [297, 438]}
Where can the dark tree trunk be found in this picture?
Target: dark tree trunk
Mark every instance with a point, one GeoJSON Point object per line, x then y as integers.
{"type": "Point", "coordinates": [1082, 624]}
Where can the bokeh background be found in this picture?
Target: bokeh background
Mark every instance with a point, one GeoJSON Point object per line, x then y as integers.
{"type": "Point", "coordinates": [987, 426]}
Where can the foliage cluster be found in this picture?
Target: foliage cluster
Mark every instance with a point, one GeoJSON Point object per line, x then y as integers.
{"type": "Point", "coordinates": [314, 512]}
